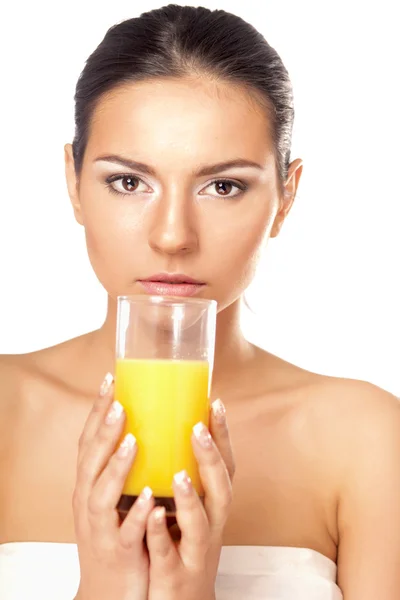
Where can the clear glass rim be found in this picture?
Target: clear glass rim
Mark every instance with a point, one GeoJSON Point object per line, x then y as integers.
{"type": "Point", "coordinates": [167, 300]}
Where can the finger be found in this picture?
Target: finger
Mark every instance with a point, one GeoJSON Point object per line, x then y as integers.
{"type": "Point", "coordinates": [164, 556]}
{"type": "Point", "coordinates": [220, 434]}
{"type": "Point", "coordinates": [107, 490]}
{"type": "Point", "coordinates": [97, 413]}
{"type": "Point", "coordinates": [133, 528]}
{"type": "Point", "coordinates": [214, 477]}
{"type": "Point", "coordinates": [99, 450]}
{"type": "Point", "coordinates": [192, 521]}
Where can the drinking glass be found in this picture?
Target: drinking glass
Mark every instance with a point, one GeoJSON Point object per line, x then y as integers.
{"type": "Point", "coordinates": [164, 362]}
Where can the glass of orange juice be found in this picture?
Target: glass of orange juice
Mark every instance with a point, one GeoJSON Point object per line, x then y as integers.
{"type": "Point", "coordinates": [164, 361]}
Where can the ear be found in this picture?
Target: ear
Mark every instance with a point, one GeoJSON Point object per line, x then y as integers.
{"type": "Point", "coordinates": [288, 196]}
{"type": "Point", "coordinates": [72, 182]}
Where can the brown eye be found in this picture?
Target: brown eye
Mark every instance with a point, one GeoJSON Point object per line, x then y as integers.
{"type": "Point", "coordinates": [223, 187]}
{"type": "Point", "coordinates": [129, 183]}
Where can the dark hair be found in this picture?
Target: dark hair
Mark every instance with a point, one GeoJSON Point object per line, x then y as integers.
{"type": "Point", "coordinates": [177, 41]}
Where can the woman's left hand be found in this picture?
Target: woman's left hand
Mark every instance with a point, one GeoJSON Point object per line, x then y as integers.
{"type": "Point", "coordinates": [187, 569]}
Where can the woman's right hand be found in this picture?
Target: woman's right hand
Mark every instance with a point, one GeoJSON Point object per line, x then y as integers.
{"type": "Point", "coordinates": [114, 562]}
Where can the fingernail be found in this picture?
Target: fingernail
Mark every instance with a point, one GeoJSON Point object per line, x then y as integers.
{"type": "Point", "coordinates": [159, 515]}
{"type": "Point", "coordinates": [114, 413]}
{"type": "Point", "coordinates": [144, 496]}
{"type": "Point", "coordinates": [183, 481]}
{"type": "Point", "coordinates": [219, 411]}
{"type": "Point", "coordinates": [106, 385]}
{"type": "Point", "coordinates": [126, 446]}
{"type": "Point", "coordinates": [202, 435]}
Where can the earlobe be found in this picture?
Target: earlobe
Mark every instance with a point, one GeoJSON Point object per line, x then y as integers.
{"type": "Point", "coordinates": [72, 183]}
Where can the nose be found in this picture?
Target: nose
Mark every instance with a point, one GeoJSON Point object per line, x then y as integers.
{"type": "Point", "coordinates": [173, 228]}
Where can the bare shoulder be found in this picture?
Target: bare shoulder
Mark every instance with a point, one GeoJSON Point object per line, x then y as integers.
{"type": "Point", "coordinates": [17, 370]}
{"type": "Point", "coordinates": [18, 374]}
{"type": "Point", "coordinates": [358, 426]}
{"type": "Point", "coordinates": [338, 414]}
{"type": "Point", "coordinates": [340, 399]}
{"type": "Point", "coordinates": [362, 425]}
{"type": "Point", "coordinates": [353, 405]}
{"type": "Point", "coordinates": [43, 408]}
{"type": "Point", "coordinates": [14, 375]}
{"type": "Point", "coordinates": [14, 369]}
{"type": "Point", "coordinates": [348, 419]}
{"type": "Point", "coordinates": [29, 382]}
{"type": "Point", "coordinates": [348, 432]}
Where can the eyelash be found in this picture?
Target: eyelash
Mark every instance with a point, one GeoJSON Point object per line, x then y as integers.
{"type": "Point", "coordinates": [110, 180]}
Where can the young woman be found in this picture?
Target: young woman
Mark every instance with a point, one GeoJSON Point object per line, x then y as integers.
{"type": "Point", "coordinates": [180, 171]}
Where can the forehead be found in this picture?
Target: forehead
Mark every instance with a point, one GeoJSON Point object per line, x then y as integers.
{"type": "Point", "coordinates": [195, 118]}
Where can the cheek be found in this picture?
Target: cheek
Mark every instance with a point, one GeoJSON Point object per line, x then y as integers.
{"type": "Point", "coordinates": [112, 234]}
{"type": "Point", "coordinates": [240, 256]}
{"type": "Point", "coordinates": [239, 244]}
{"type": "Point", "coordinates": [107, 257]}
{"type": "Point", "coordinates": [242, 238]}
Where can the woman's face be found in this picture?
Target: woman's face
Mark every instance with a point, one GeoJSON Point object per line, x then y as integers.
{"type": "Point", "coordinates": [155, 197]}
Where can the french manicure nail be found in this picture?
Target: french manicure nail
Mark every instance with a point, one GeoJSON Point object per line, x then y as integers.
{"type": "Point", "coordinates": [106, 385]}
{"type": "Point", "coordinates": [183, 481]}
{"type": "Point", "coordinates": [115, 413]}
{"type": "Point", "coordinates": [144, 496]}
{"type": "Point", "coordinates": [202, 435]}
{"type": "Point", "coordinates": [219, 411]}
{"type": "Point", "coordinates": [126, 445]}
{"type": "Point", "coordinates": [159, 515]}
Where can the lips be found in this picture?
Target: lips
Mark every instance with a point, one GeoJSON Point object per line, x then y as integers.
{"type": "Point", "coordinates": [171, 284]}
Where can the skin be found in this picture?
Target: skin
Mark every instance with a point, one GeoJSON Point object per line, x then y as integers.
{"type": "Point", "coordinates": [317, 458]}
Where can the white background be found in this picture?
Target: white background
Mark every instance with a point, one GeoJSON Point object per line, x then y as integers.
{"type": "Point", "coordinates": [327, 295]}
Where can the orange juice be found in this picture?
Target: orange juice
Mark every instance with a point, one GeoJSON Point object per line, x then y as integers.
{"type": "Point", "coordinates": [162, 399]}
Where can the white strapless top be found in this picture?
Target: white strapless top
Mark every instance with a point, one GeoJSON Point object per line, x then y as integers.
{"type": "Point", "coordinates": [50, 571]}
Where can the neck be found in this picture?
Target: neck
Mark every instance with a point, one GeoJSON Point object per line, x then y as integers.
{"type": "Point", "coordinates": [231, 348]}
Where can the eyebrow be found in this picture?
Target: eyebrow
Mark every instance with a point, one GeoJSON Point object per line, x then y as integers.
{"type": "Point", "coordinates": [206, 170]}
